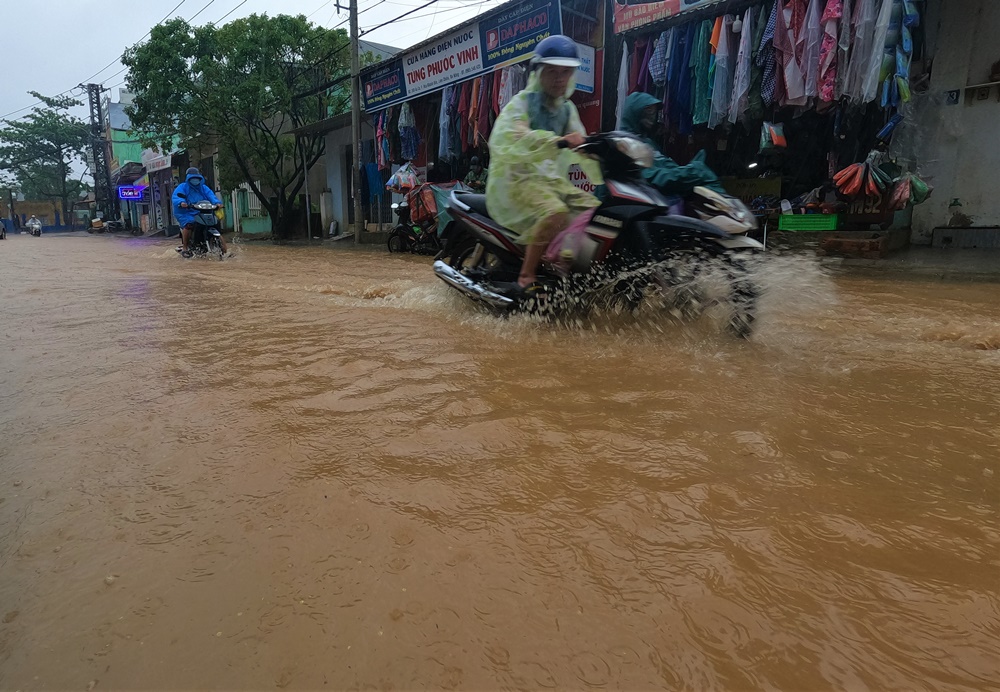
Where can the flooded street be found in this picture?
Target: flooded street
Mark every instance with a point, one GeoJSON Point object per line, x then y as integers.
{"type": "Point", "coordinates": [307, 468]}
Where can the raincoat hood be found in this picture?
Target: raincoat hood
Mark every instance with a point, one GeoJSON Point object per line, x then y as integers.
{"type": "Point", "coordinates": [632, 112]}
{"type": "Point", "coordinates": [192, 176]}
{"type": "Point", "coordinates": [535, 84]}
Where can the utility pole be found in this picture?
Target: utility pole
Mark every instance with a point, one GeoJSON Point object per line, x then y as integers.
{"type": "Point", "coordinates": [356, 121]}
{"type": "Point", "coordinates": [102, 170]}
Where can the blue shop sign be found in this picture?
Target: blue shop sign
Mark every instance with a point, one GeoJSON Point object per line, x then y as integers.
{"type": "Point", "coordinates": [131, 192]}
{"type": "Point", "coordinates": [512, 35]}
{"type": "Point", "coordinates": [385, 86]}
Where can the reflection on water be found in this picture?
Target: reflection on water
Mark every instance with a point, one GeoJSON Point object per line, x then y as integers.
{"type": "Point", "coordinates": [303, 467]}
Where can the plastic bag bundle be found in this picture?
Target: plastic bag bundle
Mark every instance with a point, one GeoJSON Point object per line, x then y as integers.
{"type": "Point", "coordinates": [403, 180]}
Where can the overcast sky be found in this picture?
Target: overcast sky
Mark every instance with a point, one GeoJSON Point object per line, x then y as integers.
{"type": "Point", "coordinates": [54, 45]}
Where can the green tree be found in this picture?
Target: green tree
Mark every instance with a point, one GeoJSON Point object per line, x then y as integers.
{"type": "Point", "coordinates": [39, 151]}
{"type": "Point", "coordinates": [244, 88]}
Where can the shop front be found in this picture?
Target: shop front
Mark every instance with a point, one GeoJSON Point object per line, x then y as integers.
{"type": "Point", "coordinates": [435, 104]}
{"type": "Point", "coordinates": [783, 96]}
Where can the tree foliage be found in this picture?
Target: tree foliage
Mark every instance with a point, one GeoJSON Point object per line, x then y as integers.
{"type": "Point", "coordinates": [39, 151]}
{"type": "Point", "coordinates": [243, 87]}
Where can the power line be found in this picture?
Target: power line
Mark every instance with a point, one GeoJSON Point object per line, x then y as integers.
{"type": "Point", "coordinates": [210, 3]}
{"type": "Point", "coordinates": [68, 91]}
{"type": "Point", "coordinates": [230, 12]}
{"type": "Point", "coordinates": [405, 14]}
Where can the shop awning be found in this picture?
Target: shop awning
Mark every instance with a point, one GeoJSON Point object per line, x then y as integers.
{"type": "Point", "coordinates": [129, 173]}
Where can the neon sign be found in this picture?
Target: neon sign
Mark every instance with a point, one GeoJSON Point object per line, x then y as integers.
{"type": "Point", "coordinates": [131, 191]}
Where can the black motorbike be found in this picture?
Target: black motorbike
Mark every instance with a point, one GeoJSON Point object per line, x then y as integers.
{"type": "Point", "coordinates": [205, 237]}
{"type": "Point", "coordinates": [408, 236]}
{"type": "Point", "coordinates": [638, 244]}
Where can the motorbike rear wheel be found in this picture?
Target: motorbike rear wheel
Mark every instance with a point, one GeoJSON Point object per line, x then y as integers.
{"type": "Point", "coordinates": [398, 242]}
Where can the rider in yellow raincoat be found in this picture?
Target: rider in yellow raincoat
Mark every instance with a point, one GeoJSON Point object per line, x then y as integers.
{"type": "Point", "coordinates": [528, 190]}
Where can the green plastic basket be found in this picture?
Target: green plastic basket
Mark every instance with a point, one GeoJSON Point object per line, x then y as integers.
{"type": "Point", "coordinates": [808, 222]}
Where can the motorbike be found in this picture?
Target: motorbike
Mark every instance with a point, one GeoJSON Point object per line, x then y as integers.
{"type": "Point", "coordinates": [35, 229]}
{"type": "Point", "coordinates": [409, 236]}
{"type": "Point", "coordinates": [638, 244]}
{"type": "Point", "coordinates": [205, 235]}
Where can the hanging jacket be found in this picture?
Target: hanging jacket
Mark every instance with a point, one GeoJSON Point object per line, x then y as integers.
{"type": "Point", "coordinates": [191, 194]}
{"type": "Point", "coordinates": [666, 175]}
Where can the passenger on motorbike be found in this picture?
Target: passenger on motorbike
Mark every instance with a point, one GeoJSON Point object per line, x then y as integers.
{"type": "Point", "coordinates": [187, 194]}
{"type": "Point", "coordinates": [528, 190]}
{"type": "Point", "coordinates": [639, 116]}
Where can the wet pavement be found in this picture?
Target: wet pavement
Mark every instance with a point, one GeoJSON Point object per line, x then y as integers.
{"type": "Point", "coordinates": [303, 468]}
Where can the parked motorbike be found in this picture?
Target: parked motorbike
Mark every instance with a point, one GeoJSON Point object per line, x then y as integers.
{"type": "Point", "coordinates": [408, 236]}
{"type": "Point", "coordinates": [205, 236]}
{"type": "Point", "coordinates": [634, 247]}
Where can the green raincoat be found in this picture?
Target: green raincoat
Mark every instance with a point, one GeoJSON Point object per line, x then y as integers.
{"type": "Point", "coordinates": [529, 174]}
{"type": "Point", "coordinates": [666, 175]}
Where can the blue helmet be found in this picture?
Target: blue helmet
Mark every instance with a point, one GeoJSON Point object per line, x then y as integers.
{"type": "Point", "coordinates": [557, 50]}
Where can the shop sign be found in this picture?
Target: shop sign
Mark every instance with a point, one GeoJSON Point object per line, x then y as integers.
{"type": "Point", "coordinates": [580, 179]}
{"type": "Point", "coordinates": [453, 58]}
{"type": "Point", "coordinates": [511, 36]}
{"type": "Point", "coordinates": [385, 87]}
{"type": "Point", "coordinates": [471, 51]}
{"type": "Point", "coordinates": [153, 162]}
{"type": "Point", "coordinates": [585, 73]}
{"type": "Point", "coordinates": [131, 192]}
{"type": "Point", "coordinates": [628, 17]}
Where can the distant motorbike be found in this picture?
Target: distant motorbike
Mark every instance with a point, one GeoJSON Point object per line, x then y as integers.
{"type": "Point", "coordinates": [409, 236]}
{"type": "Point", "coordinates": [35, 229]}
{"type": "Point", "coordinates": [205, 237]}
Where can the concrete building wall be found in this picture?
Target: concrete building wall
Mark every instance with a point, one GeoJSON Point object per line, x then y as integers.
{"type": "Point", "coordinates": [338, 179]}
{"type": "Point", "coordinates": [958, 145]}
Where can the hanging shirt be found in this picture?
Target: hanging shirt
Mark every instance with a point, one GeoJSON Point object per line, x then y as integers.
{"type": "Point", "coordinates": [444, 126]}
{"type": "Point", "coordinates": [723, 88]}
{"type": "Point", "coordinates": [767, 58]}
{"type": "Point", "coordinates": [700, 63]}
{"type": "Point", "coordinates": [661, 55]}
{"type": "Point", "coordinates": [740, 98]}
{"type": "Point", "coordinates": [483, 112]}
{"type": "Point", "coordinates": [785, 47]}
{"type": "Point", "coordinates": [813, 41]}
{"type": "Point", "coordinates": [828, 55]}
{"type": "Point", "coordinates": [622, 88]}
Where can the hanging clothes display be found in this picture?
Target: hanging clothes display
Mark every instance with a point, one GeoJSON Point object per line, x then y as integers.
{"type": "Point", "coordinates": [645, 78]}
{"type": "Point", "coordinates": [863, 29]}
{"type": "Point", "coordinates": [477, 85]}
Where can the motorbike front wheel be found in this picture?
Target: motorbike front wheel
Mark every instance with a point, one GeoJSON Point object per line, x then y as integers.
{"type": "Point", "coordinates": [215, 248]}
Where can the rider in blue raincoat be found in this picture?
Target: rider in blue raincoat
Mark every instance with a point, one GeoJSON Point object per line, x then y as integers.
{"type": "Point", "coordinates": [187, 194]}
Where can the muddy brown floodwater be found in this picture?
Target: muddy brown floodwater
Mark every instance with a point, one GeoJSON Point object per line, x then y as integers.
{"type": "Point", "coordinates": [305, 468]}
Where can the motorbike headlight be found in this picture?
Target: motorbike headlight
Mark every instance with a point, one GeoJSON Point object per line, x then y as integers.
{"type": "Point", "coordinates": [640, 152]}
{"type": "Point", "coordinates": [395, 205]}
